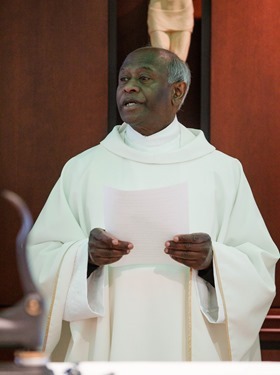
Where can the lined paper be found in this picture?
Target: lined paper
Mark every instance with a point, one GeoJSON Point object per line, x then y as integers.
{"type": "Point", "coordinates": [147, 218]}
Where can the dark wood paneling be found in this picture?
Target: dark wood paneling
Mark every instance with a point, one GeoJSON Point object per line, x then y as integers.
{"type": "Point", "coordinates": [53, 99]}
{"type": "Point", "coordinates": [271, 355]}
{"type": "Point", "coordinates": [270, 336]}
{"type": "Point", "coordinates": [245, 112]}
{"type": "Point", "coordinates": [245, 96]}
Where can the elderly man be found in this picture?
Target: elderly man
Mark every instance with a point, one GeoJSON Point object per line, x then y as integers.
{"type": "Point", "coordinates": [198, 294]}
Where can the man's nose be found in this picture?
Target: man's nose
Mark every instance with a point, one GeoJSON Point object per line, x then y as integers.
{"type": "Point", "coordinates": [131, 86]}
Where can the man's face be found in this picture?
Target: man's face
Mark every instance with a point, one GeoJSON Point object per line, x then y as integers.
{"type": "Point", "coordinates": [144, 96]}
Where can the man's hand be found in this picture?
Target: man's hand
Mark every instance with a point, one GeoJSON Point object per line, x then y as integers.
{"type": "Point", "coordinates": [103, 248]}
{"type": "Point", "coordinates": [193, 250]}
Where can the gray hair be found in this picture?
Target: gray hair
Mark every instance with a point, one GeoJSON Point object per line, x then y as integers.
{"type": "Point", "coordinates": [178, 71]}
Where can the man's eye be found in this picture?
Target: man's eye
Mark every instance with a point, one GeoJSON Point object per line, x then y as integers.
{"type": "Point", "coordinates": [123, 79]}
{"type": "Point", "coordinates": [144, 78]}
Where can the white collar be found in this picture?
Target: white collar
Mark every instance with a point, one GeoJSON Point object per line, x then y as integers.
{"type": "Point", "coordinates": [165, 140]}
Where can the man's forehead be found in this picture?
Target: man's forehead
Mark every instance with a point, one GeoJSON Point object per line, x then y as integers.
{"type": "Point", "coordinates": [139, 67]}
{"type": "Point", "coordinates": [144, 59]}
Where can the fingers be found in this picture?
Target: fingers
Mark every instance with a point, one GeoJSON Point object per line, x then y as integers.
{"type": "Point", "coordinates": [192, 238]}
{"type": "Point", "coordinates": [104, 248]}
{"type": "Point", "coordinates": [194, 250]}
{"type": "Point", "coordinates": [185, 246]}
{"type": "Point", "coordinates": [101, 239]}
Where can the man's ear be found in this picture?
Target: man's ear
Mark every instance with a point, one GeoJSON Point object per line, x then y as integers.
{"type": "Point", "coordinates": [178, 92]}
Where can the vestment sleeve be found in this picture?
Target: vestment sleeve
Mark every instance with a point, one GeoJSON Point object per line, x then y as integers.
{"type": "Point", "coordinates": [57, 253]}
{"type": "Point", "coordinates": [244, 259]}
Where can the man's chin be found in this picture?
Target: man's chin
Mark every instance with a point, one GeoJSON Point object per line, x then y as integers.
{"type": "Point", "coordinates": [131, 119]}
{"type": "Point", "coordinates": [140, 128]}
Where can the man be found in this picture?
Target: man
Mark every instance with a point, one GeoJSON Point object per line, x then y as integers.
{"type": "Point", "coordinates": [207, 297]}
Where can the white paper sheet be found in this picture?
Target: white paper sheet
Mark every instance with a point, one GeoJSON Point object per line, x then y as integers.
{"type": "Point", "coordinates": [147, 218]}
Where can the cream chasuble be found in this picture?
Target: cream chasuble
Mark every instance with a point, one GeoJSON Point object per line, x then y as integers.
{"type": "Point", "coordinates": [154, 312]}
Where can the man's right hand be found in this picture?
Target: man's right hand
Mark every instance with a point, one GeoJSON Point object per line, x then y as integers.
{"type": "Point", "coordinates": [103, 248]}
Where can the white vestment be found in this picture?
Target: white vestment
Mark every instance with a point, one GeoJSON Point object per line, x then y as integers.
{"type": "Point", "coordinates": [154, 312]}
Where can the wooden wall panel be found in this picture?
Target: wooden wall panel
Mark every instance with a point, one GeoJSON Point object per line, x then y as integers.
{"type": "Point", "coordinates": [245, 110]}
{"type": "Point", "coordinates": [53, 99]}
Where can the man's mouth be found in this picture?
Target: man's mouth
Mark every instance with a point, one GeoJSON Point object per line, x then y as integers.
{"type": "Point", "coordinates": [131, 103]}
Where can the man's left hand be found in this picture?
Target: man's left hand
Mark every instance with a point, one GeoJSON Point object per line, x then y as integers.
{"type": "Point", "coordinates": [193, 250]}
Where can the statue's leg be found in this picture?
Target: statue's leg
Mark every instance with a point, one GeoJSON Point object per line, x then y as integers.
{"type": "Point", "coordinates": [160, 39]}
{"type": "Point", "coordinates": [180, 43]}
